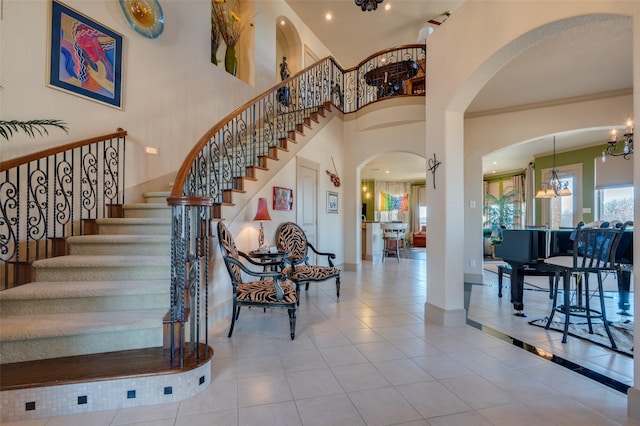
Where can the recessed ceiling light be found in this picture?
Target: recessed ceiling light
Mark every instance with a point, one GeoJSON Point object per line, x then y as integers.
{"type": "Point", "coordinates": [282, 22]}
{"type": "Point", "coordinates": [495, 162]}
{"type": "Point", "coordinates": [493, 171]}
{"type": "Point", "coordinates": [387, 171]}
{"type": "Point", "coordinates": [328, 16]}
{"type": "Point", "coordinates": [387, 6]}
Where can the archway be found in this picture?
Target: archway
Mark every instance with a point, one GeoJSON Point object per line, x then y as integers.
{"type": "Point", "coordinates": [392, 189]}
{"type": "Point", "coordinates": [448, 133]}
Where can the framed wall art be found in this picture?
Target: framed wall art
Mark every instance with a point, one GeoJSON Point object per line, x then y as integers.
{"type": "Point", "coordinates": [85, 57]}
{"type": "Point", "coordinates": [332, 202]}
{"type": "Point", "coordinates": [282, 198]}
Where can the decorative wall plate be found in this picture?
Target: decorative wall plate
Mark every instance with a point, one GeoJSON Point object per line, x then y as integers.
{"type": "Point", "coordinates": [144, 16]}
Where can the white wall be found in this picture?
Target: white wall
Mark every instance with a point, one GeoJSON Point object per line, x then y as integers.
{"type": "Point", "coordinates": [486, 134]}
{"type": "Point", "coordinates": [172, 93]}
{"type": "Point", "coordinates": [485, 36]}
{"type": "Point", "coordinates": [383, 127]}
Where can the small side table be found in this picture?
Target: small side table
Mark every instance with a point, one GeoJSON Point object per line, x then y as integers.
{"type": "Point", "coordinates": [272, 259]}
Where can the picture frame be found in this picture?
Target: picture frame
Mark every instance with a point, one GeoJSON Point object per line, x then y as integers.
{"type": "Point", "coordinates": [282, 198]}
{"type": "Point", "coordinates": [332, 202]}
{"type": "Point", "coordinates": [85, 57]}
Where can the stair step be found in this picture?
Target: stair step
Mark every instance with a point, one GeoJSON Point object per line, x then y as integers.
{"type": "Point", "coordinates": [119, 244]}
{"type": "Point", "coordinates": [130, 226]}
{"type": "Point", "coordinates": [134, 210]}
{"type": "Point", "coordinates": [101, 268]}
{"type": "Point", "coordinates": [84, 296]}
{"type": "Point", "coordinates": [32, 337]}
{"type": "Point", "coordinates": [156, 196]}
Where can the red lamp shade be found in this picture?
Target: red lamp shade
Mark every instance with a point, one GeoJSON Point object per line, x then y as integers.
{"type": "Point", "coordinates": [263, 211]}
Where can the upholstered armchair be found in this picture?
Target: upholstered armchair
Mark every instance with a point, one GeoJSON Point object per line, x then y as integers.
{"type": "Point", "coordinates": [420, 238]}
{"type": "Point", "coordinates": [272, 289]}
{"type": "Point", "coordinates": [292, 239]}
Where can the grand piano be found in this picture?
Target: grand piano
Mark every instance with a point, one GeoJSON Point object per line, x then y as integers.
{"type": "Point", "coordinates": [529, 248]}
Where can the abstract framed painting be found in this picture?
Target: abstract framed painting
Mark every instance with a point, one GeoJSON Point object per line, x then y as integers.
{"type": "Point", "coordinates": [282, 198]}
{"type": "Point", "coordinates": [85, 57]}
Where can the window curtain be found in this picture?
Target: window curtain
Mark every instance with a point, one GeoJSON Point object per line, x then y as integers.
{"type": "Point", "coordinates": [518, 185]}
{"type": "Point", "coordinates": [530, 191]}
{"type": "Point", "coordinates": [418, 198]}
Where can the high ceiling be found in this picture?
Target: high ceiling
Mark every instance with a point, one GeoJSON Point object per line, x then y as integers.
{"type": "Point", "coordinates": [584, 60]}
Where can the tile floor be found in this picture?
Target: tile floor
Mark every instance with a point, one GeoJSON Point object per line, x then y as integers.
{"type": "Point", "coordinates": [370, 359]}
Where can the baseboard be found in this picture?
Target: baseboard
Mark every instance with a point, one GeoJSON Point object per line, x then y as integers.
{"type": "Point", "coordinates": [437, 315]}
{"type": "Point", "coordinates": [633, 403]}
{"type": "Point", "coordinates": [473, 278]}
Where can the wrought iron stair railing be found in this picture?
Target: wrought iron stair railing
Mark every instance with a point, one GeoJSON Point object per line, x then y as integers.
{"type": "Point", "coordinates": [239, 144]}
{"type": "Point", "coordinates": [48, 196]}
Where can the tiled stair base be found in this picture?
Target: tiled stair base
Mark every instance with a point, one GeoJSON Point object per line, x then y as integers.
{"type": "Point", "coordinates": [107, 393]}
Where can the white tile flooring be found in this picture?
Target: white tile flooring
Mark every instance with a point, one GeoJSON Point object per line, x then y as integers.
{"type": "Point", "coordinates": [370, 359]}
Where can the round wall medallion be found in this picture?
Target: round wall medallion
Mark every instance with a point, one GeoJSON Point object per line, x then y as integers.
{"type": "Point", "coordinates": [144, 16]}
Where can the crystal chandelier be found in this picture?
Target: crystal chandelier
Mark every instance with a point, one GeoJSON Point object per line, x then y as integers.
{"type": "Point", "coordinates": [555, 187]}
{"type": "Point", "coordinates": [612, 147]}
{"type": "Point", "coordinates": [368, 5]}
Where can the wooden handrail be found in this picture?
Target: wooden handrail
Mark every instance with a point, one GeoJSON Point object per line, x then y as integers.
{"type": "Point", "coordinates": [15, 162]}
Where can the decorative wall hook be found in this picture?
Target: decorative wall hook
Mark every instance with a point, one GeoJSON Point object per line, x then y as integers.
{"type": "Point", "coordinates": [433, 165]}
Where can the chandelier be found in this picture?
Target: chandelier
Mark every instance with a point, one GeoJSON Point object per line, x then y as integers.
{"type": "Point", "coordinates": [554, 187]}
{"type": "Point", "coordinates": [368, 5]}
{"type": "Point", "coordinates": [612, 147]}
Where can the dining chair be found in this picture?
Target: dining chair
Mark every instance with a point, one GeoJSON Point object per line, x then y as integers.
{"type": "Point", "coordinates": [594, 252]}
{"type": "Point", "coordinates": [272, 289]}
{"type": "Point", "coordinates": [291, 238]}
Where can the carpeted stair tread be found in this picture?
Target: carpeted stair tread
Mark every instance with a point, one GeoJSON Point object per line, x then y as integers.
{"type": "Point", "coordinates": [146, 210]}
{"type": "Point", "coordinates": [118, 239]}
{"type": "Point", "coordinates": [80, 261]}
{"type": "Point", "coordinates": [57, 297]}
{"type": "Point", "coordinates": [134, 221]}
{"type": "Point", "coordinates": [16, 328]}
{"type": "Point", "coordinates": [146, 206]}
{"type": "Point", "coordinates": [83, 289]}
{"type": "Point", "coordinates": [152, 194]}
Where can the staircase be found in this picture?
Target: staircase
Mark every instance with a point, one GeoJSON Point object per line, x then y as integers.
{"type": "Point", "coordinates": [110, 293]}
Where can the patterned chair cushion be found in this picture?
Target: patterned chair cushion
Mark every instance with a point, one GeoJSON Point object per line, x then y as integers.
{"type": "Point", "coordinates": [264, 292]}
{"type": "Point", "coordinates": [311, 273]}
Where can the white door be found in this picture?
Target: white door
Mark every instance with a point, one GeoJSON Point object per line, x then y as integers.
{"type": "Point", "coordinates": [307, 203]}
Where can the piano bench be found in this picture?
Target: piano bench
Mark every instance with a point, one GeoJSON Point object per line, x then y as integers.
{"type": "Point", "coordinates": [506, 269]}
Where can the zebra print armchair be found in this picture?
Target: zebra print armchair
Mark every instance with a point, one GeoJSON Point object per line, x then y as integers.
{"type": "Point", "coordinates": [272, 289]}
{"type": "Point", "coordinates": [292, 239]}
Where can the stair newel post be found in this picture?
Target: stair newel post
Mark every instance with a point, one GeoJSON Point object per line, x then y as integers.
{"type": "Point", "coordinates": [190, 253]}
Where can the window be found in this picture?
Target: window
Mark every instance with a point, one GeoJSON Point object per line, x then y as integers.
{"type": "Point", "coordinates": [564, 211]}
{"type": "Point", "coordinates": [614, 204]}
{"type": "Point", "coordinates": [423, 216]}
{"type": "Point", "coordinates": [562, 215]}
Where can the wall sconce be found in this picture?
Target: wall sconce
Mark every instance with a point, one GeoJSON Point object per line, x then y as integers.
{"type": "Point", "coordinates": [612, 147]}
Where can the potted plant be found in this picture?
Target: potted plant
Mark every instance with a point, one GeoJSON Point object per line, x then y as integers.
{"type": "Point", "coordinates": [499, 213]}
{"type": "Point", "coordinates": [31, 127]}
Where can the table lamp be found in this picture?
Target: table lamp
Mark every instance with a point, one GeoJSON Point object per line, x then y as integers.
{"type": "Point", "coordinates": [261, 215]}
